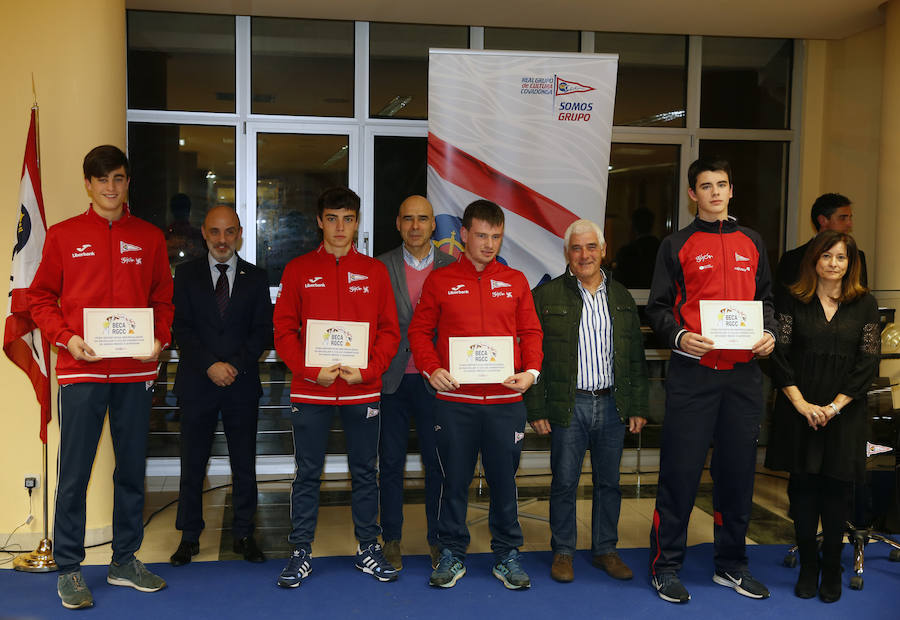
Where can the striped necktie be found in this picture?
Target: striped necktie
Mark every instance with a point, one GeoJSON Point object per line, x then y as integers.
{"type": "Point", "coordinates": [222, 294]}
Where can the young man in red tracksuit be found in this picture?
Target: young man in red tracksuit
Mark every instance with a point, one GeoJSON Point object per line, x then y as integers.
{"type": "Point", "coordinates": [712, 395]}
{"type": "Point", "coordinates": [478, 296]}
{"type": "Point", "coordinates": [103, 258]}
{"type": "Point", "coordinates": [335, 282]}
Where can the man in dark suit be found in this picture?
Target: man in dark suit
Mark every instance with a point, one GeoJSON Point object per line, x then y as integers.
{"type": "Point", "coordinates": [223, 322]}
{"type": "Point", "coordinates": [404, 393]}
{"type": "Point", "coordinates": [829, 212]}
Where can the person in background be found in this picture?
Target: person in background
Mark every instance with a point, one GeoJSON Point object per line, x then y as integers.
{"type": "Point", "coordinates": [405, 394]}
{"type": "Point", "coordinates": [223, 323]}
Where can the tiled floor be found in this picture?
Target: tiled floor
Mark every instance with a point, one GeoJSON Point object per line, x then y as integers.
{"type": "Point", "coordinates": [334, 535]}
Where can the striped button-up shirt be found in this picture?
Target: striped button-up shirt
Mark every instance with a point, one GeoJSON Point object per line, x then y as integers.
{"type": "Point", "coordinates": [595, 346]}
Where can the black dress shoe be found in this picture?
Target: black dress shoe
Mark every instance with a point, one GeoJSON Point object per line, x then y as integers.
{"type": "Point", "coordinates": [247, 546]}
{"type": "Point", "coordinates": [186, 550]}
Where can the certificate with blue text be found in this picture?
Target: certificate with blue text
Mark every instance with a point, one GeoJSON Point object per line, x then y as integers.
{"type": "Point", "coordinates": [481, 359]}
{"type": "Point", "coordinates": [119, 332]}
{"type": "Point", "coordinates": [731, 324]}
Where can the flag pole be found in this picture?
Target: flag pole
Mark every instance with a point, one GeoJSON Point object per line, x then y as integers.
{"type": "Point", "coordinates": [41, 559]}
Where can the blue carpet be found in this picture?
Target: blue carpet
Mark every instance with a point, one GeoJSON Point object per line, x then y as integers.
{"type": "Point", "coordinates": [237, 589]}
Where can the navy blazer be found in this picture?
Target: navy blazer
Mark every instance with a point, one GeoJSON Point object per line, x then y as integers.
{"type": "Point", "coordinates": [204, 337]}
{"type": "Point", "coordinates": [396, 267]}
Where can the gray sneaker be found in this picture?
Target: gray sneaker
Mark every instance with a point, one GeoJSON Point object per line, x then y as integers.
{"type": "Point", "coordinates": [73, 591]}
{"type": "Point", "coordinates": [134, 575]}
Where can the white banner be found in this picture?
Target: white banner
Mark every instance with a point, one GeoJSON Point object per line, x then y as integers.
{"type": "Point", "coordinates": [530, 131]}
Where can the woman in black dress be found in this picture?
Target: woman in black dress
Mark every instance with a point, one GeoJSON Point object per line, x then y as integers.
{"type": "Point", "coordinates": [826, 356]}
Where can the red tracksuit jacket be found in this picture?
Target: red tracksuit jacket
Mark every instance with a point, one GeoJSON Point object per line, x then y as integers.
{"type": "Point", "coordinates": [457, 300]}
{"type": "Point", "coordinates": [352, 288]}
{"type": "Point", "coordinates": [90, 262]}
{"type": "Point", "coordinates": [708, 260]}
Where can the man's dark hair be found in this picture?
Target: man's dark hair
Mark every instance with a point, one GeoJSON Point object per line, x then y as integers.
{"type": "Point", "coordinates": [708, 164]}
{"type": "Point", "coordinates": [826, 205]}
{"type": "Point", "coordinates": [102, 160]}
{"type": "Point", "coordinates": [483, 210]}
{"type": "Point", "coordinates": [338, 198]}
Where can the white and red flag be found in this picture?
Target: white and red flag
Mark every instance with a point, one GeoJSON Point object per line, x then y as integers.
{"type": "Point", "coordinates": [22, 340]}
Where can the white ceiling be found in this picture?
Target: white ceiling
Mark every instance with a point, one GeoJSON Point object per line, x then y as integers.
{"type": "Point", "coordinates": [802, 19]}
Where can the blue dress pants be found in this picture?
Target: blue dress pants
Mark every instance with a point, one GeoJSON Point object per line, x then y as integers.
{"type": "Point", "coordinates": [411, 401]}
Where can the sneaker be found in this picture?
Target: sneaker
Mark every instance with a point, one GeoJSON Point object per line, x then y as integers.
{"type": "Point", "coordinates": [297, 569]}
{"type": "Point", "coordinates": [393, 554]}
{"type": "Point", "coordinates": [371, 561]}
{"type": "Point", "coordinates": [73, 592]}
{"type": "Point", "coordinates": [134, 575]}
{"type": "Point", "coordinates": [668, 587]}
{"type": "Point", "coordinates": [435, 552]}
{"type": "Point", "coordinates": [511, 573]}
{"type": "Point", "coordinates": [448, 571]}
{"type": "Point", "coordinates": [742, 582]}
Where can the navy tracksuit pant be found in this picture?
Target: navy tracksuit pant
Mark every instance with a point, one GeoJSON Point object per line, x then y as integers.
{"type": "Point", "coordinates": [497, 432]}
{"type": "Point", "coordinates": [82, 408]}
{"type": "Point", "coordinates": [706, 406]}
{"type": "Point", "coordinates": [312, 425]}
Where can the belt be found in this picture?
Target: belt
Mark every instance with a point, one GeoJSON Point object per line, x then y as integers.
{"type": "Point", "coordinates": [594, 393]}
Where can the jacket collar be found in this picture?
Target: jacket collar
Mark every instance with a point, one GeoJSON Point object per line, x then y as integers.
{"type": "Point", "coordinates": [726, 225]}
{"type": "Point", "coordinates": [469, 267]}
{"type": "Point", "coordinates": [572, 282]}
{"type": "Point", "coordinates": [97, 219]}
{"type": "Point", "coordinates": [322, 252]}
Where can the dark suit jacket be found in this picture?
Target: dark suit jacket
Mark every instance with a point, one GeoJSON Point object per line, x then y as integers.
{"type": "Point", "coordinates": [204, 338]}
{"type": "Point", "coordinates": [390, 381]}
{"type": "Point", "coordinates": [788, 271]}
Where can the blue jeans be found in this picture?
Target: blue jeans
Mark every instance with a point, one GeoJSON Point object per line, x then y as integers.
{"type": "Point", "coordinates": [312, 425]}
{"type": "Point", "coordinates": [595, 424]}
{"type": "Point", "coordinates": [411, 400]}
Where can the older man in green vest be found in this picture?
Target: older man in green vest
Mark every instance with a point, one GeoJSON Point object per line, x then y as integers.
{"type": "Point", "coordinates": [593, 388]}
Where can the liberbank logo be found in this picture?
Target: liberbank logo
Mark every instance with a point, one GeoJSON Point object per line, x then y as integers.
{"type": "Point", "coordinates": [567, 110]}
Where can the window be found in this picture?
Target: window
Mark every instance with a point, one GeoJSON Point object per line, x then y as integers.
{"type": "Point", "coordinates": [398, 66]}
{"type": "Point", "coordinates": [178, 173]}
{"type": "Point", "coordinates": [179, 61]}
{"type": "Point", "coordinates": [301, 67]}
{"type": "Point", "coordinates": [746, 83]}
{"type": "Point", "coordinates": [644, 59]}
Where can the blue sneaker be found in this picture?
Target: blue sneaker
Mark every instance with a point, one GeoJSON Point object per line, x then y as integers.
{"type": "Point", "coordinates": [448, 571]}
{"type": "Point", "coordinates": [509, 570]}
{"type": "Point", "coordinates": [296, 571]}
{"type": "Point", "coordinates": [669, 588]}
{"type": "Point", "coordinates": [371, 561]}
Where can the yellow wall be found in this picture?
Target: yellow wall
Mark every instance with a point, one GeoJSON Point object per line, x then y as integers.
{"type": "Point", "coordinates": [842, 129]}
{"type": "Point", "coordinates": [76, 52]}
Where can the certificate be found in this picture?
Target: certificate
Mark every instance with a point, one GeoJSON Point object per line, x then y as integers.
{"type": "Point", "coordinates": [481, 359]}
{"type": "Point", "coordinates": [337, 342]}
{"type": "Point", "coordinates": [119, 332]}
{"type": "Point", "coordinates": [731, 324]}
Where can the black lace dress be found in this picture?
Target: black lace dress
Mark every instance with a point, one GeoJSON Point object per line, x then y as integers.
{"type": "Point", "coordinates": [823, 359]}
